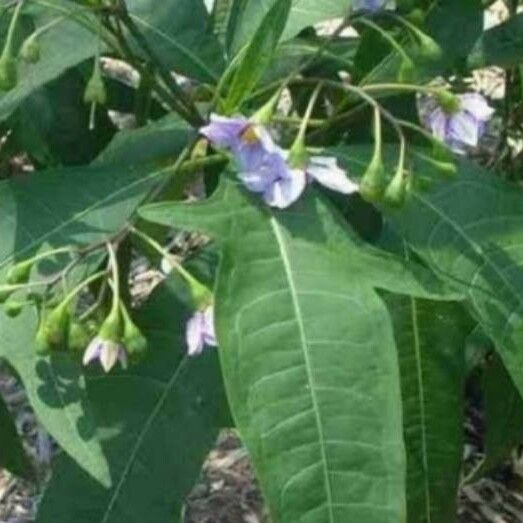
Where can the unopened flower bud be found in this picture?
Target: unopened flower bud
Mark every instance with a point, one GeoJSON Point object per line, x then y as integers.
{"type": "Point", "coordinates": [13, 308]}
{"type": "Point", "coordinates": [42, 344]}
{"type": "Point", "coordinates": [56, 325]}
{"type": "Point", "coordinates": [8, 72]}
{"type": "Point", "coordinates": [30, 50]}
{"type": "Point", "coordinates": [428, 48]}
{"type": "Point", "coordinates": [133, 339]}
{"type": "Point", "coordinates": [374, 181]}
{"type": "Point", "coordinates": [5, 293]}
{"type": "Point", "coordinates": [95, 91]}
{"type": "Point", "coordinates": [396, 191]}
{"type": "Point", "coordinates": [407, 71]}
{"type": "Point", "coordinates": [20, 273]}
{"type": "Point", "coordinates": [78, 336]}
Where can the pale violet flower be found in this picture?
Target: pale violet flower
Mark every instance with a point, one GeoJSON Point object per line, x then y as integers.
{"type": "Point", "coordinates": [248, 141]}
{"type": "Point", "coordinates": [280, 185]}
{"type": "Point", "coordinates": [458, 129]}
{"type": "Point", "coordinates": [373, 5]}
{"type": "Point", "coordinates": [107, 352]}
{"type": "Point", "coordinates": [200, 331]}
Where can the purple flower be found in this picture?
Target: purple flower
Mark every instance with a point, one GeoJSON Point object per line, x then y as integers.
{"type": "Point", "coordinates": [281, 185]}
{"type": "Point", "coordinates": [200, 331]}
{"type": "Point", "coordinates": [373, 5]}
{"type": "Point", "coordinates": [106, 352]}
{"type": "Point", "coordinates": [459, 129]}
{"type": "Point", "coordinates": [249, 142]}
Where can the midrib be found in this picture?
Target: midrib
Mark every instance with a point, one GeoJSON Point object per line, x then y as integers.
{"type": "Point", "coordinates": [308, 366]}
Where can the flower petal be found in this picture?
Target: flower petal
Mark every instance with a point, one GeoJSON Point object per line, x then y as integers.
{"type": "Point", "coordinates": [437, 122]}
{"type": "Point", "coordinates": [93, 351]}
{"type": "Point", "coordinates": [224, 132]}
{"type": "Point", "coordinates": [477, 106]}
{"type": "Point", "coordinates": [463, 127]}
{"type": "Point", "coordinates": [194, 335]}
{"type": "Point", "coordinates": [109, 355]}
{"type": "Point", "coordinates": [285, 191]}
{"type": "Point", "coordinates": [209, 334]}
{"type": "Point", "coordinates": [325, 170]}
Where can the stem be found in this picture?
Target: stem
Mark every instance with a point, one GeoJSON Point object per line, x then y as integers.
{"type": "Point", "coordinates": [384, 34]}
{"type": "Point", "coordinates": [48, 254]}
{"type": "Point", "coordinates": [69, 298]}
{"type": "Point", "coordinates": [308, 113]}
{"type": "Point", "coordinates": [165, 74]}
{"type": "Point", "coordinates": [113, 263]}
{"type": "Point", "coordinates": [9, 41]}
{"type": "Point", "coordinates": [188, 277]}
{"type": "Point", "coordinates": [402, 87]}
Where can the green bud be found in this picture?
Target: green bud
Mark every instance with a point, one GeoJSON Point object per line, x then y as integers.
{"type": "Point", "coordinates": [5, 293]}
{"type": "Point", "coordinates": [56, 325]}
{"type": "Point", "coordinates": [416, 16]}
{"type": "Point", "coordinates": [20, 273]}
{"type": "Point", "coordinates": [42, 344]}
{"type": "Point", "coordinates": [298, 155]}
{"type": "Point", "coordinates": [95, 91]}
{"type": "Point", "coordinates": [448, 101]}
{"type": "Point", "coordinates": [112, 327]}
{"type": "Point", "coordinates": [407, 71]}
{"type": "Point", "coordinates": [8, 72]}
{"type": "Point", "coordinates": [374, 181]}
{"type": "Point", "coordinates": [200, 294]}
{"type": "Point", "coordinates": [397, 190]}
{"type": "Point", "coordinates": [133, 339]}
{"type": "Point", "coordinates": [429, 49]}
{"type": "Point", "coordinates": [13, 308]}
{"type": "Point", "coordinates": [263, 116]}
{"type": "Point", "coordinates": [30, 50]}
{"type": "Point", "coordinates": [78, 336]}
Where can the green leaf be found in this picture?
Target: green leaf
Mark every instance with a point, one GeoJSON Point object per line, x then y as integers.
{"type": "Point", "coordinates": [50, 209]}
{"type": "Point", "coordinates": [180, 33]}
{"type": "Point", "coordinates": [12, 453]}
{"type": "Point", "coordinates": [258, 54]}
{"type": "Point", "coordinates": [468, 230]}
{"type": "Point", "coordinates": [503, 416]}
{"type": "Point", "coordinates": [430, 337]}
{"type": "Point", "coordinates": [307, 353]}
{"type": "Point", "coordinates": [502, 45]}
{"type": "Point", "coordinates": [159, 420]}
{"type": "Point", "coordinates": [304, 13]}
{"type": "Point", "coordinates": [158, 142]}
{"type": "Point", "coordinates": [62, 46]}
{"type": "Point", "coordinates": [55, 388]}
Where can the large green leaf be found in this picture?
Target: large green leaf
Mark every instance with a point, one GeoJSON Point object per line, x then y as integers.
{"type": "Point", "coordinates": [430, 337]}
{"type": "Point", "coordinates": [304, 13]}
{"type": "Point", "coordinates": [49, 209]}
{"type": "Point", "coordinates": [258, 54]}
{"type": "Point", "coordinates": [158, 421]}
{"type": "Point", "coordinates": [180, 33]}
{"type": "Point", "coordinates": [502, 45]}
{"type": "Point", "coordinates": [12, 453]}
{"type": "Point", "coordinates": [307, 353]}
{"type": "Point", "coordinates": [468, 229]}
{"type": "Point", "coordinates": [503, 415]}
{"type": "Point", "coordinates": [62, 46]}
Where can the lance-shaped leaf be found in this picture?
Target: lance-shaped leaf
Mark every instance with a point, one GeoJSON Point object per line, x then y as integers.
{"type": "Point", "coordinates": [258, 54]}
{"type": "Point", "coordinates": [12, 453]}
{"type": "Point", "coordinates": [159, 420]}
{"type": "Point", "coordinates": [304, 13]}
{"type": "Point", "coordinates": [308, 355]}
{"type": "Point", "coordinates": [430, 337]}
{"type": "Point", "coordinates": [468, 229]}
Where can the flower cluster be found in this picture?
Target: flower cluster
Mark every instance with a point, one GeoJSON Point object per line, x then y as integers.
{"type": "Point", "coordinates": [268, 170]}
